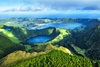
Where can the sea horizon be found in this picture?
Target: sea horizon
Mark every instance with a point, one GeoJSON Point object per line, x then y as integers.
{"type": "Point", "coordinates": [94, 14]}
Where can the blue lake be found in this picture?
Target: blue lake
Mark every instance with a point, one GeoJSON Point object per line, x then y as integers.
{"type": "Point", "coordinates": [9, 29]}
{"type": "Point", "coordinates": [39, 39]}
{"type": "Point", "coordinates": [59, 25]}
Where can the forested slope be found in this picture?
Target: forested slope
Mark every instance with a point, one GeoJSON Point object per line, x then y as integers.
{"type": "Point", "coordinates": [55, 59]}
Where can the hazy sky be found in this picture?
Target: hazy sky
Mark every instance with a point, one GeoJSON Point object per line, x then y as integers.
{"type": "Point", "coordinates": [51, 5]}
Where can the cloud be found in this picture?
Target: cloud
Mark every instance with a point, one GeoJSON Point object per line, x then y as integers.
{"type": "Point", "coordinates": [67, 4]}
{"type": "Point", "coordinates": [30, 8]}
{"type": "Point", "coordinates": [44, 5]}
{"type": "Point", "coordinates": [91, 8]}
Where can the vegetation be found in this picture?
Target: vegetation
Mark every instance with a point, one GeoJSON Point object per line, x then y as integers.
{"type": "Point", "coordinates": [54, 59]}
{"type": "Point", "coordinates": [7, 46]}
{"type": "Point", "coordinates": [89, 42]}
{"type": "Point", "coordinates": [83, 43]}
{"type": "Point", "coordinates": [36, 51]}
{"type": "Point", "coordinates": [9, 35]}
{"type": "Point", "coordinates": [97, 63]}
{"type": "Point", "coordinates": [18, 34]}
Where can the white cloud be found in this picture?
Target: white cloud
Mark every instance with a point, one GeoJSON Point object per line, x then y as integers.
{"type": "Point", "coordinates": [58, 5]}
{"type": "Point", "coordinates": [68, 4]}
{"type": "Point", "coordinates": [35, 7]}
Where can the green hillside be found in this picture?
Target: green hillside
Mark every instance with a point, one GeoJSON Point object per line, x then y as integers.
{"type": "Point", "coordinates": [7, 46]}
{"type": "Point", "coordinates": [54, 59]}
{"type": "Point", "coordinates": [37, 51]}
{"type": "Point", "coordinates": [79, 47]}
{"type": "Point", "coordinates": [89, 40]}
{"type": "Point", "coordinates": [19, 34]}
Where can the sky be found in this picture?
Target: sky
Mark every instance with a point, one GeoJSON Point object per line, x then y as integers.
{"type": "Point", "coordinates": [50, 8]}
{"type": "Point", "coordinates": [48, 5]}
